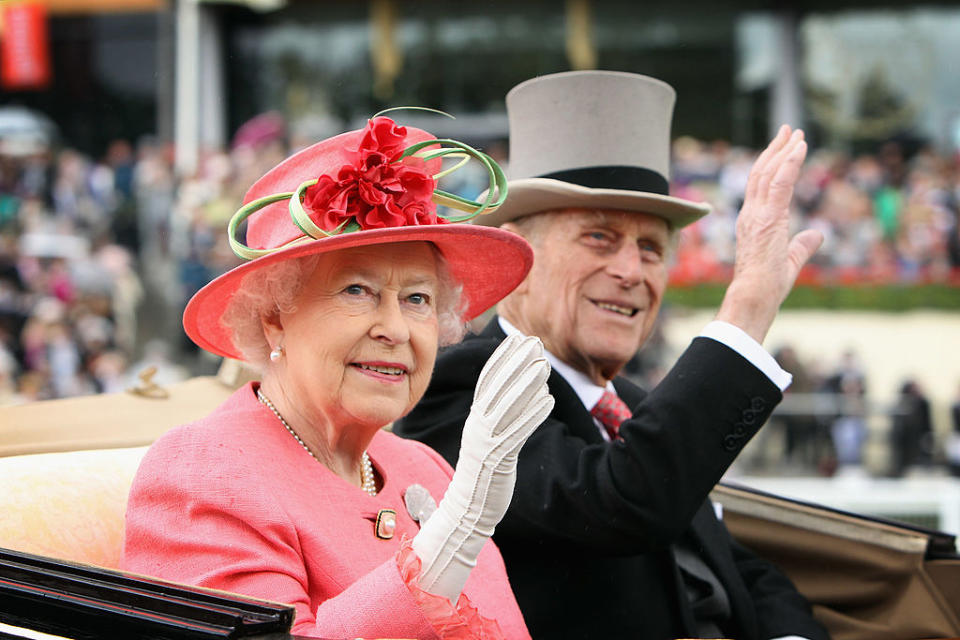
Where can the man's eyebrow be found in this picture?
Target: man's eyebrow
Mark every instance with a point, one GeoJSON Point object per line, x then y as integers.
{"type": "Point", "coordinates": [600, 218]}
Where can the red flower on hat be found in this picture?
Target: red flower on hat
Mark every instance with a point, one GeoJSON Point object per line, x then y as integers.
{"type": "Point", "coordinates": [374, 188]}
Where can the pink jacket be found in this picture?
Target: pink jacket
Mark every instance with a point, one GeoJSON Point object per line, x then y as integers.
{"type": "Point", "coordinates": [233, 502]}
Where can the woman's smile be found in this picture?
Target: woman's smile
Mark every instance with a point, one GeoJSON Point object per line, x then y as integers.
{"type": "Point", "coordinates": [388, 372]}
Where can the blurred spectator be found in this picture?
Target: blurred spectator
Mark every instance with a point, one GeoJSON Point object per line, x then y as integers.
{"type": "Point", "coordinates": [911, 434]}
{"type": "Point", "coordinates": [953, 439]}
{"type": "Point", "coordinates": [845, 425]}
{"type": "Point", "coordinates": [119, 165]}
{"type": "Point", "coordinates": [801, 446]}
{"type": "Point", "coordinates": [849, 428]}
{"type": "Point", "coordinates": [848, 375]}
{"type": "Point", "coordinates": [8, 377]}
{"type": "Point", "coordinates": [109, 371]}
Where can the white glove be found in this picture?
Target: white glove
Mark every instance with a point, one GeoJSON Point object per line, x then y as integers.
{"type": "Point", "coordinates": [511, 400]}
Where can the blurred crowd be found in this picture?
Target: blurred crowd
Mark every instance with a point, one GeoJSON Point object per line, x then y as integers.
{"type": "Point", "coordinates": [887, 216]}
{"type": "Point", "coordinates": [98, 255]}
{"type": "Point", "coordinates": [827, 423]}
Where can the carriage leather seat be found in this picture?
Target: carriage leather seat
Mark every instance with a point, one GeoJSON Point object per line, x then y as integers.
{"type": "Point", "coordinates": [66, 465]}
{"type": "Point", "coordinates": [68, 505]}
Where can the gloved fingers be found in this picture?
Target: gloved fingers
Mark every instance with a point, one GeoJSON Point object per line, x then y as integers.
{"type": "Point", "coordinates": [532, 418]}
{"type": "Point", "coordinates": [501, 369]}
{"type": "Point", "coordinates": [495, 362]}
{"type": "Point", "coordinates": [517, 356]}
{"type": "Point", "coordinates": [525, 390]}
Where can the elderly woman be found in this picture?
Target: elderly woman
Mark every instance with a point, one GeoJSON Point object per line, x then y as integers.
{"type": "Point", "coordinates": [291, 490]}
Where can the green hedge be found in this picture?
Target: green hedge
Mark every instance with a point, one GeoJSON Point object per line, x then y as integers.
{"type": "Point", "coordinates": [863, 297]}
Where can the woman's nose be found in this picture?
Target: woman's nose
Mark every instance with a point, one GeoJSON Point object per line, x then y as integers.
{"type": "Point", "coordinates": [390, 325]}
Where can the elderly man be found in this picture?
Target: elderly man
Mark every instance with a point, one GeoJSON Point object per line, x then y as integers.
{"type": "Point", "coordinates": [610, 532]}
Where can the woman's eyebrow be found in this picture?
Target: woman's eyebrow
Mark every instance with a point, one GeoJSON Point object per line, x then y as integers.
{"type": "Point", "coordinates": [421, 280]}
{"type": "Point", "coordinates": [362, 273]}
{"type": "Point", "coordinates": [357, 272]}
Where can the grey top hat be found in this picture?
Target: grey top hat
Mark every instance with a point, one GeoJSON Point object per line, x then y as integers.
{"type": "Point", "coordinates": [597, 139]}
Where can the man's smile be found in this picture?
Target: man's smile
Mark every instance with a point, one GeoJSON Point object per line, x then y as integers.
{"type": "Point", "coordinates": [622, 309]}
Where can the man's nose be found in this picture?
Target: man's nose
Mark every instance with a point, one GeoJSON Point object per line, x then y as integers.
{"type": "Point", "coordinates": [626, 265]}
{"type": "Point", "coordinates": [390, 325]}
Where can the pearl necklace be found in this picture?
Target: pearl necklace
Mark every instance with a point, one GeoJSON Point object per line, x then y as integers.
{"type": "Point", "coordinates": [366, 467]}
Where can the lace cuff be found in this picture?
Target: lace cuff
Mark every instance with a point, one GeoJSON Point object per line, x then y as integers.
{"type": "Point", "coordinates": [462, 622]}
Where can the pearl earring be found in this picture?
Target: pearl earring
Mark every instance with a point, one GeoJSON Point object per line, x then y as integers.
{"type": "Point", "coordinates": [276, 354]}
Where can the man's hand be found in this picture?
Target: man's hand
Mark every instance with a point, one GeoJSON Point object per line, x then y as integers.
{"type": "Point", "coordinates": [768, 260]}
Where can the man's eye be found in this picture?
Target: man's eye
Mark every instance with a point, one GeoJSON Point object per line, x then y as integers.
{"type": "Point", "coordinates": [598, 239]}
{"type": "Point", "coordinates": [651, 251]}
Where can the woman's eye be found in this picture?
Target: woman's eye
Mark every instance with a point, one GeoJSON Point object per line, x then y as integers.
{"type": "Point", "coordinates": [418, 298]}
{"type": "Point", "coordinates": [354, 289]}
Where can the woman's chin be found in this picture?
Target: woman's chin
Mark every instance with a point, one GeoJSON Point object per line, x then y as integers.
{"type": "Point", "coordinates": [375, 415]}
{"type": "Point", "coordinates": [372, 401]}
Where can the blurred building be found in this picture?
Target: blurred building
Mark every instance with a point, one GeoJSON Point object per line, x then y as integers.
{"type": "Point", "coordinates": [104, 60]}
{"type": "Point", "coordinates": [853, 72]}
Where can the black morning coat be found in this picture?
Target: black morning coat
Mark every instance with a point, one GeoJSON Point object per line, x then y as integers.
{"type": "Point", "coordinates": [586, 538]}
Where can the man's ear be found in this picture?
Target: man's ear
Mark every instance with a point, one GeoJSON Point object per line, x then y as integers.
{"type": "Point", "coordinates": [512, 228]}
{"type": "Point", "coordinates": [272, 327]}
{"type": "Point", "coordinates": [524, 285]}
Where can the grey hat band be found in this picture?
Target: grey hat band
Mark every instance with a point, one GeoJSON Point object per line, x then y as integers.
{"type": "Point", "coordinates": [621, 177]}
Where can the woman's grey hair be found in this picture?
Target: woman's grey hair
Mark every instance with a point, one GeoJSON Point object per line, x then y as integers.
{"type": "Point", "coordinates": [274, 289]}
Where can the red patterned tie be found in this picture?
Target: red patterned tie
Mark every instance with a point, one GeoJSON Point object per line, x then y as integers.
{"type": "Point", "coordinates": [611, 411]}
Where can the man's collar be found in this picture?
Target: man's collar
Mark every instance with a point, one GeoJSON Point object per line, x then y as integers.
{"type": "Point", "coordinates": [588, 391]}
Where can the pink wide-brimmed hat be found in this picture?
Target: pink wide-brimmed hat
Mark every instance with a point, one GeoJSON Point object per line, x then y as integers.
{"type": "Point", "coordinates": [372, 186]}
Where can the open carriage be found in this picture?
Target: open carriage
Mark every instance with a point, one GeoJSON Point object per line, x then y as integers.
{"type": "Point", "coordinates": [66, 466]}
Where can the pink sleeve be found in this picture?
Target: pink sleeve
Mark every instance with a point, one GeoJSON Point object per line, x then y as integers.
{"type": "Point", "coordinates": [462, 622]}
{"type": "Point", "coordinates": [388, 602]}
{"type": "Point", "coordinates": [376, 606]}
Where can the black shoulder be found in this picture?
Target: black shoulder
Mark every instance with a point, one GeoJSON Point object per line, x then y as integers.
{"type": "Point", "coordinates": [463, 361]}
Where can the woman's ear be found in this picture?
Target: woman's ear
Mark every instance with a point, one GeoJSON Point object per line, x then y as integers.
{"type": "Point", "coordinates": [272, 327]}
